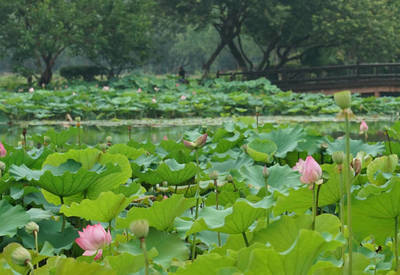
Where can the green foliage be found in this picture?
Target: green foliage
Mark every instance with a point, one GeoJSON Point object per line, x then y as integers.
{"type": "Point", "coordinates": [88, 73]}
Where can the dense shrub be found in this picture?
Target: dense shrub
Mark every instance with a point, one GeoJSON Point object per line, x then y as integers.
{"type": "Point", "coordinates": [88, 73]}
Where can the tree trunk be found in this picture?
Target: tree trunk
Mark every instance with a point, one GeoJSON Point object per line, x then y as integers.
{"type": "Point", "coordinates": [210, 61]}
{"type": "Point", "coordinates": [46, 76]}
{"type": "Point", "coordinates": [238, 56]}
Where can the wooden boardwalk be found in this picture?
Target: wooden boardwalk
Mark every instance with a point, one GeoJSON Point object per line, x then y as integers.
{"type": "Point", "coordinates": [376, 78]}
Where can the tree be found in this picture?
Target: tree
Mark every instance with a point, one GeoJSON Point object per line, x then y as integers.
{"type": "Point", "coordinates": [116, 33]}
{"type": "Point", "coordinates": [36, 33]}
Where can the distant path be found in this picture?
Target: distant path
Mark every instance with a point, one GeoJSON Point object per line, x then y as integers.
{"type": "Point", "coordinates": [376, 78]}
{"type": "Point", "coordinates": [199, 121]}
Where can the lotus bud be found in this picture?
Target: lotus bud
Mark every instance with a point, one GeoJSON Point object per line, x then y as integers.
{"type": "Point", "coordinates": [46, 140]}
{"type": "Point", "coordinates": [189, 144]}
{"type": "Point", "coordinates": [343, 99]}
{"type": "Point", "coordinates": [338, 157]}
{"type": "Point", "coordinates": [21, 256]}
{"type": "Point", "coordinates": [109, 139]}
{"type": "Point", "coordinates": [229, 178]}
{"type": "Point", "coordinates": [3, 151]}
{"type": "Point", "coordinates": [201, 141]}
{"type": "Point", "coordinates": [31, 227]}
{"type": "Point", "coordinates": [356, 164]}
{"type": "Point", "coordinates": [265, 172]}
{"type": "Point", "coordinates": [258, 109]}
{"type": "Point", "coordinates": [214, 175]}
{"type": "Point", "coordinates": [78, 119]}
{"type": "Point", "coordinates": [140, 228]}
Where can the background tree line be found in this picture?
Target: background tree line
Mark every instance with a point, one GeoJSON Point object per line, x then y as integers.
{"type": "Point", "coordinates": [159, 36]}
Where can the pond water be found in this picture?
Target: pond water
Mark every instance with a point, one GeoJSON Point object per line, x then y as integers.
{"type": "Point", "coordinates": [94, 132]}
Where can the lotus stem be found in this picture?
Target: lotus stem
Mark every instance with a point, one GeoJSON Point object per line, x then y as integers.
{"type": "Point", "coordinates": [389, 142]}
{"type": "Point", "coordinates": [216, 206]}
{"type": "Point", "coordinates": [63, 217]}
{"type": "Point", "coordinates": [245, 239]}
{"type": "Point", "coordinates": [30, 267]}
{"type": "Point", "coordinates": [396, 242]}
{"type": "Point", "coordinates": [35, 234]}
{"type": "Point", "coordinates": [146, 259]}
{"type": "Point", "coordinates": [197, 196]}
{"type": "Point", "coordinates": [314, 208]}
{"type": "Point", "coordinates": [341, 209]}
{"type": "Point", "coordinates": [348, 191]}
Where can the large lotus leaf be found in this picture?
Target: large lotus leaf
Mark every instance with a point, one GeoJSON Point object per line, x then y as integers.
{"type": "Point", "coordinates": [105, 208]}
{"type": "Point", "coordinates": [233, 220]}
{"type": "Point", "coordinates": [88, 158]}
{"type": "Point", "coordinates": [281, 234]}
{"type": "Point", "coordinates": [160, 215]}
{"type": "Point", "coordinates": [299, 200]}
{"type": "Point", "coordinates": [68, 266]}
{"type": "Point", "coordinates": [225, 144]}
{"type": "Point", "coordinates": [385, 164]}
{"type": "Point", "coordinates": [32, 159]}
{"type": "Point", "coordinates": [232, 164]}
{"type": "Point", "coordinates": [280, 178]}
{"type": "Point", "coordinates": [148, 175]}
{"type": "Point", "coordinates": [174, 173]}
{"type": "Point", "coordinates": [129, 152]}
{"type": "Point", "coordinates": [12, 218]}
{"type": "Point", "coordinates": [311, 144]}
{"type": "Point", "coordinates": [60, 138]}
{"type": "Point", "coordinates": [174, 150]}
{"type": "Point", "coordinates": [208, 264]}
{"type": "Point", "coordinates": [169, 247]}
{"type": "Point", "coordinates": [262, 150]}
{"type": "Point", "coordinates": [359, 266]}
{"type": "Point", "coordinates": [125, 263]}
{"type": "Point", "coordinates": [286, 139]}
{"type": "Point", "coordinates": [298, 260]}
{"type": "Point", "coordinates": [65, 182]}
{"type": "Point", "coordinates": [355, 147]}
{"type": "Point", "coordinates": [376, 214]}
{"type": "Point", "coordinates": [23, 172]}
{"type": "Point", "coordinates": [50, 231]}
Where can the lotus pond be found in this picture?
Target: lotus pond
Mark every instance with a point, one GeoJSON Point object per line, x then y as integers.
{"type": "Point", "coordinates": [233, 199]}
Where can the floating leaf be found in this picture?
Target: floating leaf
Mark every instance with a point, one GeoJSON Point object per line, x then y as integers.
{"type": "Point", "coordinates": [262, 150]}
{"type": "Point", "coordinates": [174, 173]}
{"type": "Point", "coordinates": [12, 217]}
{"type": "Point", "coordinates": [379, 166]}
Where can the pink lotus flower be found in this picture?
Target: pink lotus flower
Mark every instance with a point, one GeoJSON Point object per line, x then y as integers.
{"type": "Point", "coordinates": [3, 151]}
{"type": "Point", "coordinates": [165, 138]}
{"type": "Point", "coordinates": [93, 239]}
{"type": "Point", "coordinates": [106, 88]}
{"type": "Point", "coordinates": [310, 171]}
{"type": "Point", "coordinates": [183, 97]}
{"type": "Point", "coordinates": [177, 84]}
{"type": "Point", "coordinates": [31, 90]}
{"type": "Point", "coordinates": [154, 100]}
{"type": "Point", "coordinates": [363, 127]}
{"type": "Point", "coordinates": [139, 90]}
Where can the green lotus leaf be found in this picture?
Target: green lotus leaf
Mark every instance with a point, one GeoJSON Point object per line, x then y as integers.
{"type": "Point", "coordinates": [160, 215]}
{"type": "Point", "coordinates": [298, 260]}
{"type": "Point", "coordinates": [129, 152]}
{"type": "Point", "coordinates": [125, 263]}
{"type": "Point", "coordinates": [281, 178]}
{"type": "Point", "coordinates": [281, 234]}
{"type": "Point", "coordinates": [299, 200]}
{"type": "Point", "coordinates": [103, 209]}
{"type": "Point", "coordinates": [227, 143]}
{"type": "Point", "coordinates": [208, 264]}
{"type": "Point", "coordinates": [169, 247]}
{"type": "Point", "coordinates": [88, 159]}
{"type": "Point", "coordinates": [286, 139]}
{"type": "Point", "coordinates": [68, 266]}
{"type": "Point", "coordinates": [376, 214]}
{"type": "Point", "coordinates": [148, 175]}
{"type": "Point", "coordinates": [262, 150]}
{"type": "Point", "coordinates": [233, 220]}
{"type": "Point", "coordinates": [174, 173]}
{"type": "Point", "coordinates": [32, 159]}
{"type": "Point", "coordinates": [379, 166]}
{"type": "Point", "coordinates": [355, 147]}
{"type": "Point", "coordinates": [9, 249]}
{"type": "Point", "coordinates": [12, 217]}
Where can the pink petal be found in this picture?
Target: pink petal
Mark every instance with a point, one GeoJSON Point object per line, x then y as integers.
{"type": "Point", "coordinates": [89, 252]}
{"type": "Point", "coordinates": [99, 254]}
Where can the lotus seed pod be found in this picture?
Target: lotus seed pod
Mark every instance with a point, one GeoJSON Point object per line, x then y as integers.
{"type": "Point", "coordinates": [343, 99]}
{"type": "Point", "coordinates": [109, 138]}
{"type": "Point", "coordinates": [140, 228]}
{"type": "Point", "coordinates": [338, 157]}
{"type": "Point", "coordinates": [31, 227]}
{"type": "Point", "coordinates": [265, 172]}
{"type": "Point", "coordinates": [20, 256]}
{"type": "Point", "coordinates": [356, 164]}
{"type": "Point", "coordinates": [214, 175]}
{"type": "Point", "coordinates": [46, 139]}
{"type": "Point", "coordinates": [78, 119]}
{"type": "Point", "coordinates": [258, 109]}
{"type": "Point", "coordinates": [2, 166]}
{"type": "Point", "coordinates": [103, 146]}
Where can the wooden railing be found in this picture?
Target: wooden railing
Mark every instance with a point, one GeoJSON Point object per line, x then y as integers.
{"type": "Point", "coordinates": [329, 77]}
